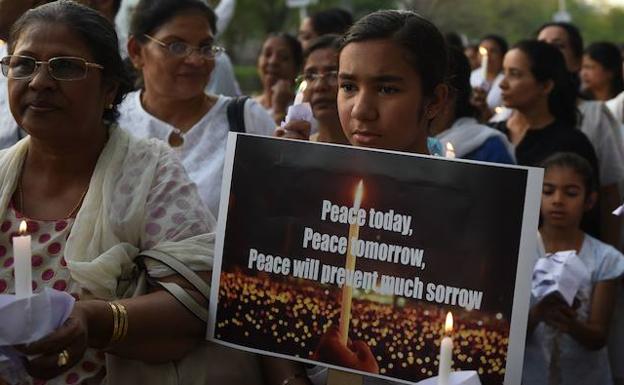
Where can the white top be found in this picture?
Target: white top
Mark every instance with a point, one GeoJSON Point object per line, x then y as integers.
{"type": "Point", "coordinates": [225, 13]}
{"type": "Point", "coordinates": [203, 150]}
{"type": "Point", "coordinates": [604, 133]}
{"type": "Point", "coordinates": [222, 80]}
{"type": "Point", "coordinates": [616, 106]}
{"type": "Point", "coordinates": [494, 97]}
{"type": "Point", "coordinates": [577, 364]}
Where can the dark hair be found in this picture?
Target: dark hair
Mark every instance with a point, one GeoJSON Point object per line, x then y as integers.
{"type": "Point", "coordinates": [499, 40]}
{"type": "Point", "coordinates": [578, 164]}
{"type": "Point", "coordinates": [116, 6]}
{"type": "Point", "coordinates": [94, 29]}
{"type": "Point", "coordinates": [331, 21]}
{"type": "Point", "coordinates": [149, 15]}
{"type": "Point", "coordinates": [459, 83]}
{"type": "Point", "coordinates": [547, 63]}
{"type": "Point", "coordinates": [453, 39]}
{"type": "Point", "coordinates": [330, 41]}
{"type": "Point", "coordinates": [293, 45]}
{"type": "Point", "coordinates": [574, 36]}
{"type": "Point", "coordinates": [609, 57]}
{"type": "Point", "coordinates": [421, 40]}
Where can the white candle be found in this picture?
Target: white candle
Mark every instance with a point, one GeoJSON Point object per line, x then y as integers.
{"type": "Point", "coordinates": [446, 352]}
{"type": "Point", "coordinates": [484, 63]}
{"type": "Point", "coordinates": [22, 260]}
{"type": "Point", "coordinates": [450, 150]}
{"type": "Point", "coordinates": [300, 90]}
{"type": "Point", "coordinates": [347, 290]}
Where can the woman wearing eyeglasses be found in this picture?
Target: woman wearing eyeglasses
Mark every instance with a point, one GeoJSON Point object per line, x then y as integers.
{"type": "Point", "coordinates": [94, 199]}
{"type": "Point", "coordinates": [171, 44]}
{"type": "Point", "coordinates": [320, 72]}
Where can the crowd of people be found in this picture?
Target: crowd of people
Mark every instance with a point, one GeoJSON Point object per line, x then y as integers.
{"type": "Point", "coordinates": [114, 148]}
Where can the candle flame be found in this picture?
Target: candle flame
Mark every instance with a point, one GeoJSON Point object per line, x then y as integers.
{"type": "Point", "coordinates": [483, 51]}
{"type": "Point", "coordinates": [499, 109]}
{"type": "Point", "coordinates": [23, 227]}
{"type": "Point", "coordinates": [450, 150]}
{"type": "Point", "coordinates": [448, 325]}
{"type": "Point", "coordinates": [302, 86]}
{"type": "Point", "coordinates": [359, 191]}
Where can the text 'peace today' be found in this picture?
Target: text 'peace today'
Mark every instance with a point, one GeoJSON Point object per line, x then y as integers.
{"type": "Point", "coordinates": [375, 219]}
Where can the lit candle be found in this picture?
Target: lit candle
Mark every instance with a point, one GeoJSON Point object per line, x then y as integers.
{"type": "Point", "coordinates": [347, 290]}
{"type": "Point", "coordinates": [299, 95]}
{"type": "Point", "coordinates": [22, 263]}
{"type": "Point", "coordinates": [450, 150]}
{"type": "Point", "coordinates": [484, 63]}
{"type": "Point", "coordinates": [446, 352]}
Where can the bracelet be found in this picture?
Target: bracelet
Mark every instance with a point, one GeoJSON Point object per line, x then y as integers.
{"type": "Point", "coordinates": [120, 322]}
{"type": "Point", "coordinates": [288, 379]}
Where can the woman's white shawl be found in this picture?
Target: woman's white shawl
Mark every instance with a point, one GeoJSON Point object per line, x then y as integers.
{"type": "Point", "coordinates": [110, 229]}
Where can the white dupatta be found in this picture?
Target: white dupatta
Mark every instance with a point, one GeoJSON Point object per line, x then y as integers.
{"type": "Point", "coordinates": [107, 232]}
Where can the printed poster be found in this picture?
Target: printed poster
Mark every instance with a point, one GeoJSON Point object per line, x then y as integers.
{"type": "Point", "coordinates": [351, 258]}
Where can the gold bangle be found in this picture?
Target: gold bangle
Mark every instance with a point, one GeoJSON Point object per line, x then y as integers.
{"type": "Point", "coordinates": [124, 321]}
{"type": "Point", "coordinates": [120, 322]}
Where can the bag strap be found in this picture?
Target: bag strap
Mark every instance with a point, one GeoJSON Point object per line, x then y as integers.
{"type": "Point", "coordinates": [236, 113]}
{"type": "Point", "coordinates": [176, 290]}
{"type": "Point", "coordinates": [185, 299]}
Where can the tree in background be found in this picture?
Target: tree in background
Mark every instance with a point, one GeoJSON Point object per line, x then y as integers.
{"type": "Point", "coordinates": [514, 19]}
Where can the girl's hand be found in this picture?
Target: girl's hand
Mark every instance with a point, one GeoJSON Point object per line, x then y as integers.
{"type": "Point", "coordinates": [557, 313]}
{"type": "Point", "coordinates": [479, 101]}
{"type": "Point", "coordinates": [282, 96]}
{"type": "Point", "coordinates": [296, 129]}
{"type": "Point", "coordinates": [356, 355]}
{"type": "Point", "coordinates": [59, 351]}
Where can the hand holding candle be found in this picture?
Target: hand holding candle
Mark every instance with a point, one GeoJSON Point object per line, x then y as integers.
{"type": "Point", "coordinates": [446, 352]}
{"type": "Point", "coordinates": [299, 110]}
{"type": "Point", "coordinates": [299, 96]}
{"type": "Point", "coordinates": [22, 260]}
{"type": "Point", "coordinates": [347, 291]}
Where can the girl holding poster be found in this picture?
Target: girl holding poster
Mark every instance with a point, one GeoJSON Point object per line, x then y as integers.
{"type": "Point", "coordinates": [573, 337]}
{"type": "Point", "coordinates": [391, 85]}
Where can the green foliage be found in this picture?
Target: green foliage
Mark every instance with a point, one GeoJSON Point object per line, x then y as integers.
{"type": "Point", "coordinates": [248, 79]}
{"type": "Point", "coordinates": [513, 19]}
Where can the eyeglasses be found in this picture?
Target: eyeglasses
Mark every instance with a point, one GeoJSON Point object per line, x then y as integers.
{"type": "Point", "coordinates": [65, 68]}
{"type": "Point", "coordinates": [330, 77]}
{"type": "Point", "coordinates": [182, 49]}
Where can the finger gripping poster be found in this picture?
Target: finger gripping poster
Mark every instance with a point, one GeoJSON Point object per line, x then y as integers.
{"type": "Point", "coordinates": [352, 258]}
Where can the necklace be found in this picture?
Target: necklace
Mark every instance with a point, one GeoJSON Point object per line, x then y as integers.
{"type": "Point", "coordinates": [68, 215]}
{"type": "Point", "coordinates": [176, 137]}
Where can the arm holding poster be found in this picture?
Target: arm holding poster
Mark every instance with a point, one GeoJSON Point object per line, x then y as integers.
{"type": "Point", "coordinates": [356, 355]}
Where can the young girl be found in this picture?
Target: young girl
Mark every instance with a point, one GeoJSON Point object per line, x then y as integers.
{"type": "Point", "coordinates": [391, 85]}
{"type": "Point", "coordinates": [573, 338]}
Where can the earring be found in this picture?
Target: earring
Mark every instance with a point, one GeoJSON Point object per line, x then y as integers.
{"type": "Point", "coordinates": [110, 106]}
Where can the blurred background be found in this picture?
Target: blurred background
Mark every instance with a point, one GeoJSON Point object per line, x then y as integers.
{"type": "Point", "coordinates": [514, 19]}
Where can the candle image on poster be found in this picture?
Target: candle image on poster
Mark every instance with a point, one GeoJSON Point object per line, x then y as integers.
{"type": "Point", "coordinates": [352, 258]}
